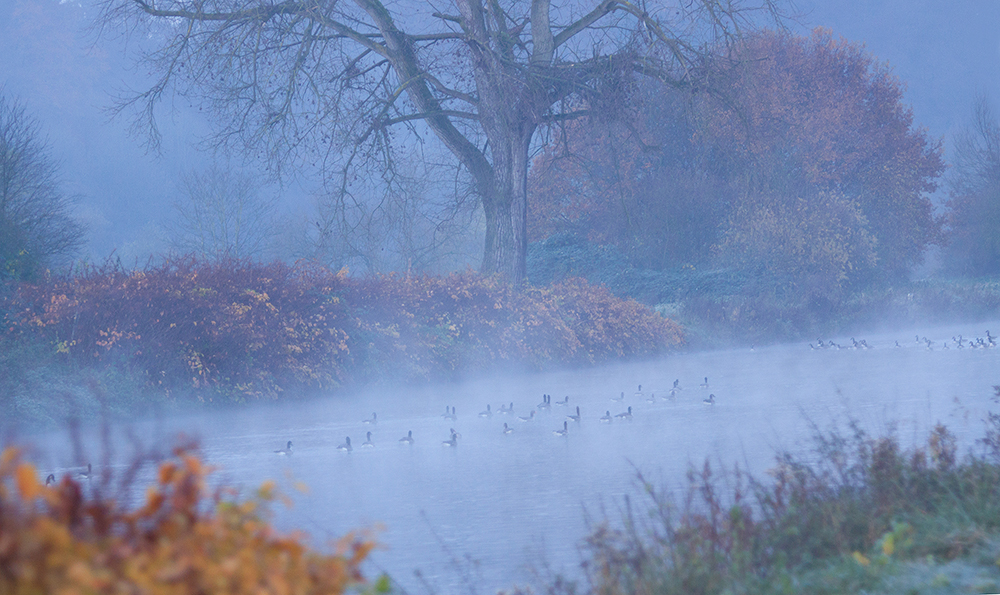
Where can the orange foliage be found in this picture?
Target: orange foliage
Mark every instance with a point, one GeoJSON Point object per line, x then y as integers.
{"type": "Point", "coordinates": [811, 133]}
{"type": "Point", "coordinates": [54, 539]}
{"type": "Point", "coordinates": [237, 330]}
{"type": "Point", "coordinates": [821, 114]}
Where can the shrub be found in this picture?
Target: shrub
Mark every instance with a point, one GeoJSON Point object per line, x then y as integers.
{"type": "Point", "coordinates": [235, 331]}
{"type": "Point", "coordinates": [828, 522]}
{"type": "Point", "coordinates": [184, 539]}
{"type": "Point", "coordinates": [230, 329]}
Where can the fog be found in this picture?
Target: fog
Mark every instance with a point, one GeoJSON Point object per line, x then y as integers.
{"type": "Point", "coordinates": [68, 78]}
{"type": "Point", "coordinates": [497, 506]}
{"type": "Point", "coordinates": [505, 505]}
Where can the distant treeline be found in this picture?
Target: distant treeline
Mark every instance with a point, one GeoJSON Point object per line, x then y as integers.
{"type": "Point", "coordinates": [236, 330]}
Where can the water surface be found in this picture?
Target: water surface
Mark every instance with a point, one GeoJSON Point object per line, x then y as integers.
{"type": "Point", "coordinates": [503, 504]}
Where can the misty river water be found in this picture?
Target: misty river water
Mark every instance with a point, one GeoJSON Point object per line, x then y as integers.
{"type": "Point", "coordinates": [497, 506]}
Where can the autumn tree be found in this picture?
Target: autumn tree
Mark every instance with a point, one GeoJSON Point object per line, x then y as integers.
{"type": "Point", "coordinates": [36, 225]}
{"type": "Point", "coordinates": [806, 166]}
{"type": "Point", "coordinates": [973, 217]}
{"type": "Point", "coordinates": [341, 85]}
{"type": "Point", "coordinates": [822, 121]}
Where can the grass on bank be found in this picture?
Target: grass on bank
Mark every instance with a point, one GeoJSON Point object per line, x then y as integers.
{"type": "Point", "coordinates": [859, 514]}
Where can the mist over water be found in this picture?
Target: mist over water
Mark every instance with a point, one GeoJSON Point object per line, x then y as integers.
{"type": "Point", "coordinates": [511, 502]}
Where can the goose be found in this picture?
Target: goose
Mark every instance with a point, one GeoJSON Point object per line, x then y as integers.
{"type": "Point", "coordinates": [545, 402]}
{"type": "Point", "coordinates": [372, 421]}
{"type": "Point", "coordinates": [563, 431]}
{"type": "Point", "coordinates": [564, 401]}
{"type": "Point", "coordinates": [86, 474]}
{"type": "Point", "coordinates": [285, 451]}
{"type": "Point", "coordinates": [408, 439]}
{"type": "Point", "coordinates": [51, 479]}
{"type": "Point", "coordinates": [576, 417]}
{"type": "Point", "coordinates": [638, 393]}
{"type": "Point", "coordinates": [507, 410]}
{"type": "Point", "coordinates": [529, 418]}
{"type": "Point", "coordinates": [677, 385]}
{"type": "Point", "coordinates": [710, 400]}
{"type": "Point", "coordinates": [606, 418]}
{"type": "Point", "coordinates": [346, 446]}
{"type": "Point", "coordinates": [619, 398]}
{"type": "Point", "coordinates": [451, 415]}
{"type": "Point", "coordinates": [705, 384]}
{"type": "Point", "coordinates": [625, 415]}
{"type": "Point", "coordinates": [651, 398]}
{"type": "Point", "coordinates": [368, 442]}
{"type": "Point", "coordinates": [507, 429]}
{"type": "Point", "coordinates": [487, 413]}
{"type": "Point", "coordinates": [453, 441]}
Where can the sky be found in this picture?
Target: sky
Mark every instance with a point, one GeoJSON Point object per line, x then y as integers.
{"type": "Point", "coordinates": [945, 52]}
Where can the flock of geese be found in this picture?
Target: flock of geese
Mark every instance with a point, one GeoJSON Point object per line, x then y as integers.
{"type": "Point", "coordinates": [573, 415]}
{"type": "Point", "coordinates": [958, 342]}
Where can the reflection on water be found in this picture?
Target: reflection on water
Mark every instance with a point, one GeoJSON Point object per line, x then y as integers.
{"type": "Point", "coordinates": [507, 502]}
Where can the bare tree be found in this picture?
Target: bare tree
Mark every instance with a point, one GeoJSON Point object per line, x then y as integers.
{"type": "Point", "coordinates": [334, 83]}
{"type": "Point", "coordinates": [36, 228]}
{"type": "Point", "coordinates": [973, 217]}
{"type": "Point", "coordinates": [223, 215]}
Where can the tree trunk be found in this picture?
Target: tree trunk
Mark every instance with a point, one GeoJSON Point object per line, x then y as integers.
{"type": "Point", "coordinates": [505, 205]}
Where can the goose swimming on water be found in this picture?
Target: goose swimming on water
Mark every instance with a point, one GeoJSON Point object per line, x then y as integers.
{"type": "Point", "coordinates": [368, 442]}
{"type": "Point", "coordinates": [710, 400]}
{"type": "Point", "coordinates": [576, 417]}
{"type": "Point", "coordinates": [486, 413]}
{"type": "Point", "coordinates": [564, 401]}
{"type": "Point", "coordinates": [453, 441]}
{"type": "Point", "coordinates": [285, 451]}
{"type": "Point", "coordinates": [625, 415]}
{"type": "Point", "coordinates": [373, 420]}
{"type": "Point", "coordinates": [51, 479]}
{"type": "Point", "coordinates": [563, 431]}
{"type": "Point", "coordinates": [606, 418]}
{"type": "Point", "coordinates": [507, 429]}
{"type": "Point", "coordinates": [86, 474]}
{"type": "Point", "coordinates": [346, 446]}
{"type": "Point", "coordinates": [529, 418]}
{"type": "Point", "coordinates": [408, 439]}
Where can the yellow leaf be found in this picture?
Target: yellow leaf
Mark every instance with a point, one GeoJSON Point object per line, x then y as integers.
{"type": "Point", "coordinates": [888, 545]}
{"type": "Point", "coordinates": [861, 559]}
{"type": "Point", "coordinates": [27, 482]}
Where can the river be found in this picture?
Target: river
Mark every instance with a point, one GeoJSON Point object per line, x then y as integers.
{"type": "Point", "coordinates": [482, 515]}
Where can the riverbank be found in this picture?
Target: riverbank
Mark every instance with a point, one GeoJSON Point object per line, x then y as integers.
{"type": "Point", "coordinates": [238, 332]}
{"type": "Point", "coordinates": [859, 513]}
